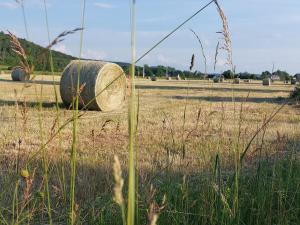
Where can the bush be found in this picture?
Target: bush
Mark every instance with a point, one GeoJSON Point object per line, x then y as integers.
{"type": "Point", "coordinates": [296, 93]}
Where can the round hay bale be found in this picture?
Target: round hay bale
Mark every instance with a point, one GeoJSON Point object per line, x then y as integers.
{"type": "Point", "coordinates": [237, 81]}
{"type": "Point", "coordinates": [169, 78]}
{"type": "Point", "coordinates": [247, 81]}
{"type": "Point", "coordinates": [153, 78]}
{"type": "Point", "coordinates": [178, 77]}
{"type": "Point", "coordinates": [217, 80]}
{"type": "Point", "coordinates": [102, 85]}
{"type": "Point", "coordinates": [19, 74]}
{"type": "Point", "coordinates": [266, 82]}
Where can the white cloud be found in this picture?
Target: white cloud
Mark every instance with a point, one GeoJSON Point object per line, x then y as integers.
{"type": "Point", "coordinates": [104, 5]}
{"type": "Point", "coordinates": [60, 48]}
{"type": "Point", "coordinates": [8, 5]}
{"type": "Point", "coordinates": [93, 54]}
{"type": "Point", "coordinates": [163, 59]}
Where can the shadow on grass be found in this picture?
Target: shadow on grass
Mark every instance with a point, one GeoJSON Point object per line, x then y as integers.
{"type": "Point", "coordinates": [45, 82]}
{"type": "Point", "coordinates": [228, 99]}
{"type": "Point", "coordinates": [190, 195]}
{"type": "Point", "coordinates": [31, 104]}
{"type": "Point", "coordinates": [236, 89]}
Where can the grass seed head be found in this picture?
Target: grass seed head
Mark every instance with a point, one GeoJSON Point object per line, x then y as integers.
{"type": "Point", "coordinates": [119, 182]}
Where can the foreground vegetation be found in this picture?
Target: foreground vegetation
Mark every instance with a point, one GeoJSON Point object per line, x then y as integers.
{"type": "Point", "coordinates": [196, 152]}
{"type": "Point", "coordinates": [188, 154]}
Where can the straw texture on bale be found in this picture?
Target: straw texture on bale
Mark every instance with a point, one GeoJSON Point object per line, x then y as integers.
{"type": "Point", "coordinates": [18, 74]}
{"type": "Point", "coordinates": [237, 81]}
{"type": "Point", "coordinates": [267, 82]}
{"type": "Point", "coordinates": [102, 85]}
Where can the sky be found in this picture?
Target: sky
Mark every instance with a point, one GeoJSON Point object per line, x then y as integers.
{"type": "Point", "coordinates": [263, 32]}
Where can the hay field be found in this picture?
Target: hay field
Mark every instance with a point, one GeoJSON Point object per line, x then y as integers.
{"type": "Point", "coordinates": [182, 126]}
{"type": "Point", "coordinates": [161, 118]}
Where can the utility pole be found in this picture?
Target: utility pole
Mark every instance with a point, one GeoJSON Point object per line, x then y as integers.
{"type": "Point", "coordinates": [167, 75]}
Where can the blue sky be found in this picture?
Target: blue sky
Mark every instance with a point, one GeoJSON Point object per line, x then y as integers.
{"type": "Point", "coordinates": [263, 31]}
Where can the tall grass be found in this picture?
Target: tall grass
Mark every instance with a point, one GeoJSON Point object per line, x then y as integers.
{"type": "Point", "coordinates": [72, 211]}
{"type": "Point", "coordinates": [132, 120]}
{"type": "Point", "coordinates": [218, 188]}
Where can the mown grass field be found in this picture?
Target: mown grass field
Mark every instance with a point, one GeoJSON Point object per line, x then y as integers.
{"type": "Point", "coordinates": [190, 140]}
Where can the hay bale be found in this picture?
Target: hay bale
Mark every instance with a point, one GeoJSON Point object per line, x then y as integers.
{"type": "Point", "coordinates": [293, 81]}
{"type": "Point", "coordinates": [102, 85]}
{"type": "Point", "coordinates": [237, 81]}
{"type": "Point", "coordinates": [178, 77]}
{"type": "Point", "coordinates": [153, 78]}
{"type": "Point", "coordinates": [19, 74]}
{"type": "Point", "coordinates": [247, 81]}
{"type": "Point", "coordinates": [217, 80]}
{"type": "Point", "coordinates": [266, 82]}
{"type": "Point", "coordinates": [169, 78]}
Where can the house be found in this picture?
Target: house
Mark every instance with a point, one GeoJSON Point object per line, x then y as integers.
{"type": "Point", "coordinates": [297, 76]}
{"type": "Point", "coordinates": [275, 77]}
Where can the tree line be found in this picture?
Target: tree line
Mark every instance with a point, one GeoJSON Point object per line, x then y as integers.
{"type": "Point", "coordinates": [41, 62]}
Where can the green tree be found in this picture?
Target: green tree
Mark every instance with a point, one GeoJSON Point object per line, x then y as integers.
{"type": "Point", "coordinates": [148, 70]}
{"type": "Point", "coordinates": [228, 74]}
{"type": "Point", "coordinates": [283, 75]}
{"type": "Point", "coordinates": [265, 74]}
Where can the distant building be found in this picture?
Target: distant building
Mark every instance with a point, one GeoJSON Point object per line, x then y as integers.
{"type": "Point", "coordinates": [212, 75]}
{"type": "Point", "coordinates": [275, 77]}
{"type": "Point", "coordinates": [297, 76]}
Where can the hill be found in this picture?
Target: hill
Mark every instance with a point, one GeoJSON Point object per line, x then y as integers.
{"type": "Point", "coordinates": [9, 58]}
{"type": "Point", "coordinates": [61, 60]}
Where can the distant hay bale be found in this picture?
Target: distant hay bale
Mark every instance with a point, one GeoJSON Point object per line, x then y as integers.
{"type": "Point", "coordinates": [217, 80]}
{"type": "Point", "coordinates": [178, 77]}
{"type": "Point", "coordinates": [102, 85]}
{"type": "Point", "coordinates": [19, 74]}
{"type": "Point", "coordinates": [247, 81]}
{"type": "Point", "coordinates": [266, 82]}
{"type": "Point", "coordinates": [153, 78]}
{"type": "Point", "coordinates": [293, 81]}
{"type": "Point", "coordinates": [169, 78]}
{"type": "Point", "coordinates": [237, 81]}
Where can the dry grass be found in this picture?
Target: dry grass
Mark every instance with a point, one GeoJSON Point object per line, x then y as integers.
{"type": "Point", "coordinates": [161, 109]}
{"type": "Point", "coordinates": [163, 144]}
